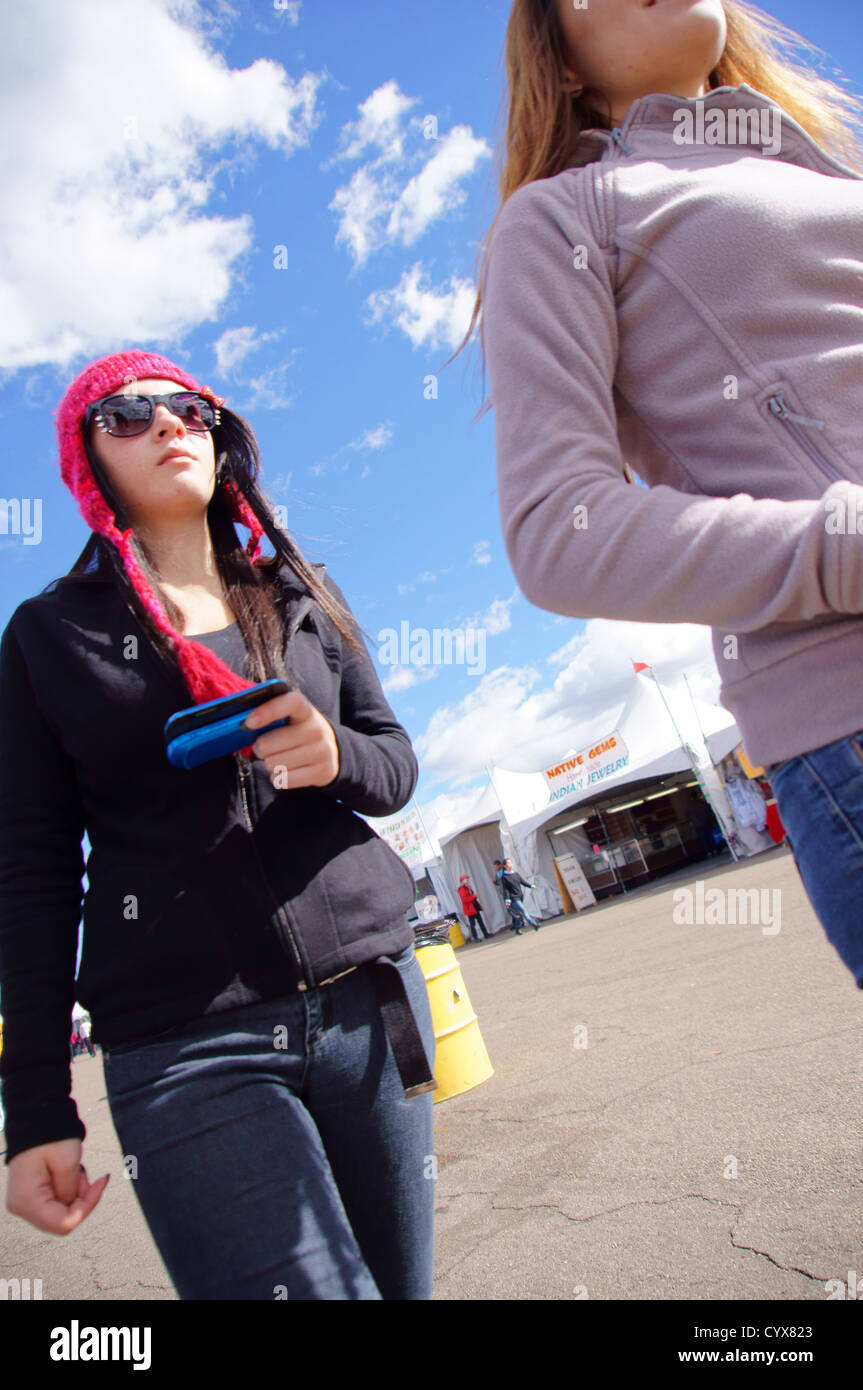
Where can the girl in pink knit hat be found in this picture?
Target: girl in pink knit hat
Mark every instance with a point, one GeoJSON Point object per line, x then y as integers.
{"type": "Point", "coordinates": [119, 481]}
{"type": "Point", "coordinates": [248, 963]}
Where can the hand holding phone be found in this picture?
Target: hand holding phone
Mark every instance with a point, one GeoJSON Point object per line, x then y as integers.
{"type": "Point", "coordinates": [215, 728]}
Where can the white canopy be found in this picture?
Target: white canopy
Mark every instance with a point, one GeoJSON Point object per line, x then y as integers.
{"type": "Point", "coordinates": [656, 733]}
{"type": "Point", "coordinates": [664, 731]}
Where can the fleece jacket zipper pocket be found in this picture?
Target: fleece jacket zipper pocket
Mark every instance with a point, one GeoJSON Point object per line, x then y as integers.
{"type": "Point", "coordinates": [793, 423]}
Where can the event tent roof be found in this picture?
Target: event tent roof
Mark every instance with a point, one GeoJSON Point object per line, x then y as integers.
{"type": "Point", "coordinates": [656, 748]}
{"type": "Point", "coordinates": [656, 741]}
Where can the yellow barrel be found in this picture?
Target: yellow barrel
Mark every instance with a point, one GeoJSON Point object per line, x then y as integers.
{"type": "Point", "coordinates": [456, 935]}
{"type": "Point", "coordinates": [461, 1060]}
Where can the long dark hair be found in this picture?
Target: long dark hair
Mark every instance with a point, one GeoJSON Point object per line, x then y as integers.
{"type": "Point", "coordinates": [249, 586]}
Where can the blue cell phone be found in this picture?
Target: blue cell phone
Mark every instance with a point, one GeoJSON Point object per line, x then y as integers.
{"type": "Point", "coordinates": [202, 732]}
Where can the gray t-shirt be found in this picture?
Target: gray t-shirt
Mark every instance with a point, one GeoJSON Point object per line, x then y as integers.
{"type": "Point", "coordinates": [228, 645]}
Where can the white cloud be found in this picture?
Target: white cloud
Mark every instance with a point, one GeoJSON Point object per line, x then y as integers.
{"type": "Point", "coordinates": [235, 345]}
{"type": "Point", "coordinates": [429, 317]}
{"type": "Point", "coordinates": [290, 9]}
{"type": "Point", "coordinates": [481, 553]}
{"type": "Point", "coordinates": [385, 203]}
{"type": "Point", "coordinates": [403, 677]}
{"type": "Point", "coordinates": [370, 441]}
{"type": "Point", "coordinates": [448, 809]}
{"type": "Point", "coordinates": [435, 189]}
{"type": "Point", "coordinates": [123, 112]}
{"type": "Point", "coordinates": [497, 618]}
{"type": "Point", "coordinates": [379, 124]}
{"type": "Point", "coordinates": [375, 439]}
{"type": "Point", "coordinates": [459, 739]}
{"type": "Point", "coordinates": [513, 718]}
{"type": "Point", "coordinates": [269, 391]}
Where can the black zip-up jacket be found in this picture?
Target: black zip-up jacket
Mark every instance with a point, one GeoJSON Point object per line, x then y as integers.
{"type": "Point", "coordinates": [512, 883]}
{"type": "Point", "coordinates": [208, 888]}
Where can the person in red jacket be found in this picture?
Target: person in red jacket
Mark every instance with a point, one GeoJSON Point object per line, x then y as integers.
{"type": "Point", "coordinates": [472, 908]}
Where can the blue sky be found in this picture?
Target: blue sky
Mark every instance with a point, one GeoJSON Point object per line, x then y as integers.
{"type": "Point", "coordinates": [163, 152]}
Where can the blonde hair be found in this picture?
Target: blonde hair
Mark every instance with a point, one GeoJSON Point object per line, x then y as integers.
{"type": "Point", "coordinates": [545, 118]}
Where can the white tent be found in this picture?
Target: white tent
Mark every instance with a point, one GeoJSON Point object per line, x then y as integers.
{"type": "Point", "coordinates": [482, 834]}
{"type": "Point", "coordinates": [470, 845]}
{"type": "Point", "coordinates": [665, 733]}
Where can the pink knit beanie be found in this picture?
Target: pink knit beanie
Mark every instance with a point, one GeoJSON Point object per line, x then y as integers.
{"type": "Point", "coordinates": [206, 675]}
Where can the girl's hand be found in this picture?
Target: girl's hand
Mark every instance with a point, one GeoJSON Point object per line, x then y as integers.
{"type": "Point", "coordinates": [49, 1187]}
{"type": "Point", "coordinates": [303, 753]}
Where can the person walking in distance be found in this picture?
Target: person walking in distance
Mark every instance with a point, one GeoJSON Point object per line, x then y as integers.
{"type": "Point", "coordinates": [677, 441]}
{"type": "Point", "coordinates": [513, 886]}
{"type": "Point", "coordinates": [248, 962]}
{"type": "Point", "coordinates": [84, 1029]}
{"type": "Point", "coordinates": [472, 909]}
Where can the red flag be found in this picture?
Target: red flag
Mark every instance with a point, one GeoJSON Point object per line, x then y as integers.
{"type": "Point", "coordinates": [641, 666]}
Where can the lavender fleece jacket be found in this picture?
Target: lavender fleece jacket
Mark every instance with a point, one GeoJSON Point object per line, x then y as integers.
{"type": "Point", "coordinates": [696, 310]}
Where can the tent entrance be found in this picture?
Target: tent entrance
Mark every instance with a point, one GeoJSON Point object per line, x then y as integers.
{"type": "Point", "coordinates": [645, 831]}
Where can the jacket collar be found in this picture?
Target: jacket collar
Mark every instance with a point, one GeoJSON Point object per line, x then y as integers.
{"type": "Point", "coordinates": [662, 126]}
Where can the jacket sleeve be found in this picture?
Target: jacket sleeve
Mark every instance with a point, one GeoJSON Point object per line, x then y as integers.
{"type": "Point", "coordinates": [41, 867]}
{"type": "Point", "coordinates": [654, 554]}
{"type": "Point", "coordinates": [378, 770]}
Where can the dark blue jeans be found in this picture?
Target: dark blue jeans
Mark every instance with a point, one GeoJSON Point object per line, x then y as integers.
{"type": "Point", "coordinates": [519, 915]}
{"type": "Point", "coordinates": [820, 800]}
{"type": "Point", "coordinates": [275, 1154]}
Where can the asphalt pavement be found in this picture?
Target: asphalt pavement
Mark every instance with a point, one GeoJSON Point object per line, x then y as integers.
{"type": "Point", "coordinates": [675, 1113]}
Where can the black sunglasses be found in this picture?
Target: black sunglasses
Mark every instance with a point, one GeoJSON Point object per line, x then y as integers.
{"type": "Point", "coordinates": [125, 416]}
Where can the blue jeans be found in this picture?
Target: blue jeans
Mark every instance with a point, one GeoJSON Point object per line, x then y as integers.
{"type": "Point", "coordinates": [519, 915]}
{"type": "Point", "coordinates": [820, 800]}
{"type": "Point", "coordinates": [275, 1153]}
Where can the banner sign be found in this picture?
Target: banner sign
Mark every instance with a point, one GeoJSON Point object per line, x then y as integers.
{"type": "Point", "coordinates": [584, 769]}
{"type": "Point", "coordinates": [404, 834]}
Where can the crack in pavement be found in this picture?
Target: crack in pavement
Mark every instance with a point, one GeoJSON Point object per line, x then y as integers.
{"type": "Point", "coordinates": [610, 1211]}
{"type": "Point", "coordinates": [791, 1269]}
{"type": "Point", "coordinates": [602, 1106]}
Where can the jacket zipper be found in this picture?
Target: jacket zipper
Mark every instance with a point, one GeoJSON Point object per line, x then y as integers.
{"type": "Point", "coordinates": [244, 773]}
{"type": "Point", "coordinates": [776, 403]}
{"type": "Point", "coordinates": [619, 141]}
{"type": "Point", "coordinates": [793, 422]}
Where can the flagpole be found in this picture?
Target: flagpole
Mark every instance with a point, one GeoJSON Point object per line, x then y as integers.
{"type": "Point", "coordinates": [703, 785]}
{"type": "Point", "coordinates": [698, 721]}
